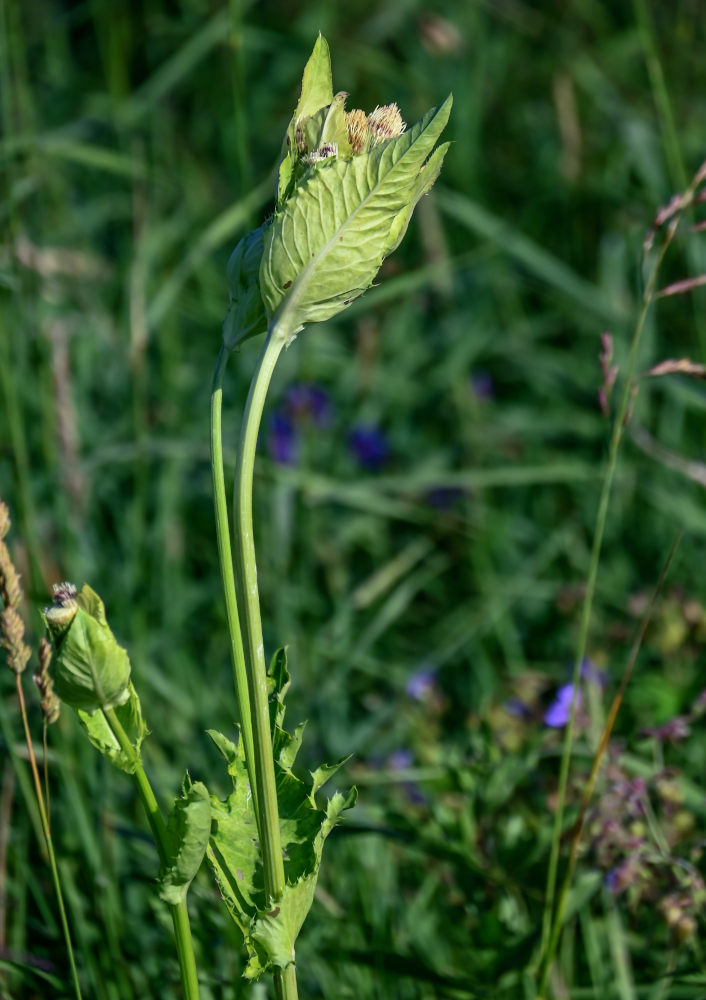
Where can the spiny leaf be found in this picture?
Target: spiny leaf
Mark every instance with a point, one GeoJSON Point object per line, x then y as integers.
{"type": "Point", "coordinates": [102, 737]}
{"type": "Point", "coordinates": [270, 926]}
{"type": "Point", "coordinates": [188, 831]}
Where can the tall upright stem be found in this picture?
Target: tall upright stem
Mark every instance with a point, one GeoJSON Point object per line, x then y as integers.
{"type": "Point", "coordinates": [180, 913]}
{"type": "Point", "coordinates": [246, 569]}
{"type": "Point", "coordinates": [267, 808]}
{"type": "Point", "coordinates": [225, 559]}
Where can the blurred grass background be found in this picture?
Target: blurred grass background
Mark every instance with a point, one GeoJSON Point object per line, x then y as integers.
{"type": "Point", "coordinates": [138, 144]}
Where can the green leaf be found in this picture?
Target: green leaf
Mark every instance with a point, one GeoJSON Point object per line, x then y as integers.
{"type": "Point", "coordinates": [321, 775]}
{"type": "Point", "coordinates": [317, 81]}
{"type": "Point", "coordinates": [246, 315]}
{"type": "Point", "coordinates": [275, 931]}
{"type": "Point", "coordinates": [278, 680]}
{"type": "Point", "coordinates": [316, 93]}
{"type": "Point", "coordinates": [327, 242]}
{"type": "Point", "coordinates": [233, 852]}
{"type": "Point", "coordinates": [91, 670]}
{"type": "Point", "coordinates": [101, 735]}
{"type": "Point", "coordinates": [285, 745]}
{"type": "Point", "coordinates": [188, 831]}
{"type": "Point", "coordinates": [270, 926]}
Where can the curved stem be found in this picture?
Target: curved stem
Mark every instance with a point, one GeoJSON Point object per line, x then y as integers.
{"type": "Point", "coordinates": [180, 913]}
{"type": "Point", "coordinates": [267, 809]}
{"type": "Point", "coordinates": [225, 560]}
{"type": "Point", "coordinates": [47, 837]}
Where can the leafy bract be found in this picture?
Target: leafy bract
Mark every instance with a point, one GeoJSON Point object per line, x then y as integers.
{"type": "Point", "coordinates": [327, 242]}
{"type": "Point", "coordinates": [91, 670]}
{"type": "Point", "coordinates": [317, 82]}
{"type": "Point", "coordinates": [270, 926]}
{"type": "Point", "coordinates": [346, 189]}
{"type": "Point", "coordinates": [246, 315]}
{"type": "Point", "coordinates": [188, 830]}
{"type": "Point", "coordinates": [103, 738]}
{"type": "Point", "coordinates": [316, 93]}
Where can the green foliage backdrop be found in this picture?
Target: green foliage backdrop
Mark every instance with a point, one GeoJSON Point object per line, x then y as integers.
{"type": "Point", "coordinates": [435, 516]}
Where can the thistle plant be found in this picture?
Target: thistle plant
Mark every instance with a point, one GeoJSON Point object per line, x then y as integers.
{"type": "Point", "coordinates": [347, 185]}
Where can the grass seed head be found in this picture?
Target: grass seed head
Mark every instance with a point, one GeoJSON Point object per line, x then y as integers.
{"type": "Point", "coordinates": [12, 632]}
{"type": "Point", "coordinates": [51, 706]}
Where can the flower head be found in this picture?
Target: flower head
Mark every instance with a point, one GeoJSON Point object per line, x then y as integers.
{"type": "Point", "coordinates": [559, 712]}
{"type": "Point", "coordinates": [346, 189]}
{"type": "Point", "coordinates": [369, 446]}
{"type": "Point", "coordinates": [358, 130]}
{"type": "Point", "coordinates": [308, 401]}
{"type": "Point", "coordinates": [92, 671]}
{"type": "Point", "coordinates": [385, 123]}
{"type": "Point", "coordinates": [282, 439]}
{"type": "Point", "coordinates": [421, 683]}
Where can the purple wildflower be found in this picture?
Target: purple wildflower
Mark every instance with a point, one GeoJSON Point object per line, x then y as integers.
{"type": "Point", "coordinates": [559, 712]}
{"type": "Point", "coordinates": [482, 385]}
{"type": "Point", "coordinates": [414, 793]}
{"type": "Point", "coordinates": [674, 731]}
{"type": "Point", "coordinates": [369, 446]}
{"type": "Point", "coordinates": [620, 878]}
{"type": "Point", "coordinates": [403, 760]}
{"type": "Point", "coordinates": [400, 760]}
{"type": "Point", "coordinates": [282, 439]}
{"type": "Point", "coordinates": [591, 673]}
{"type": "Point", "coordinates": [518, 708]}
{"type": "Point", "coordinates": [308, 401]}
{"type": "Point", "coordinates": [421, 683]}
{"type": "Point", "coordinates": [444, 497]}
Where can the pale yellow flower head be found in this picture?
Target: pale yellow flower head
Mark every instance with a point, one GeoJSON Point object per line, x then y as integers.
{"type": "Point", "coordinates": [385, 123]}
{"type": "Point", "coordinates": [358, 131]}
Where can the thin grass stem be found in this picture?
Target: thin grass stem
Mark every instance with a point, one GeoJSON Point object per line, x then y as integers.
{"type": "Point", "coordinates": [598, 757]}
{"type": "Point", "coordinates": [48, 839]}
{"type": "Point", "coordinates": [601, 518]}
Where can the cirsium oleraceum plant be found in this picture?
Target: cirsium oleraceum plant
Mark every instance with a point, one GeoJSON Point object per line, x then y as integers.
{"type": "Point", "coordinates": [347, 185]}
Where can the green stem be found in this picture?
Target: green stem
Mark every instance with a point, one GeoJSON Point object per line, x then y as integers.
{"type": "Point", "coordinates": [180, 913]}
{"type": "Point", "coordinates": [268, 812]}
{"type": "Point", "coordinates": [48, 840]}
{"type": "Point", "coordinates": [267, 808]}
{"type": "Point", "coordinates": [549, 917]}
{"type": "Point", "coordinates": [286, 983]}
{"type": "Point", "coordinates": [225, 560]}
